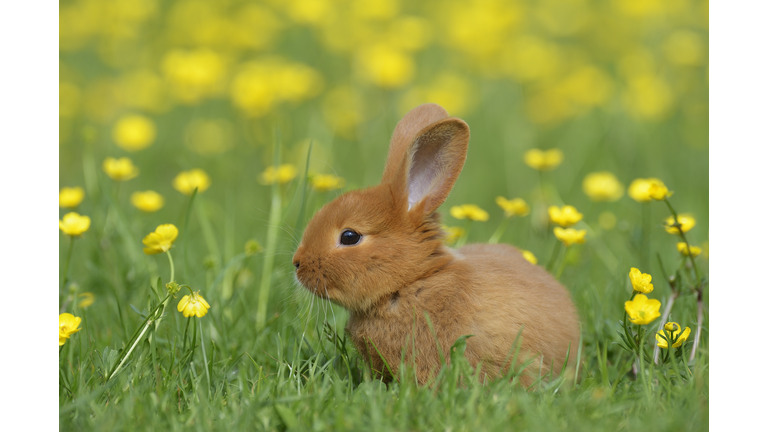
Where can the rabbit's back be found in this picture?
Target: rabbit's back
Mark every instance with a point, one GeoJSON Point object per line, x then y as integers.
{"type": "Point", "coordinates": [508, 293]}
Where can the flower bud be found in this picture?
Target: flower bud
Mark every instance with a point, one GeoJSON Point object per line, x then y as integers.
{"type": "Point", "coordinates": [252, 247]}
{"type": "Point", "coordinates": [173, 287]}
{"type": "Point", "coordinates": [671, 326]}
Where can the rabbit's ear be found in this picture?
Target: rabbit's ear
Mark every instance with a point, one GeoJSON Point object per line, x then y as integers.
{"type": "Point", "coordinates": [426, 155]}
{"type": "Point", "coordinates": [406, 131]}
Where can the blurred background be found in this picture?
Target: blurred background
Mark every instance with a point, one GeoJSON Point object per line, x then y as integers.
{"type": "Point", "coordinates": [617, 85]}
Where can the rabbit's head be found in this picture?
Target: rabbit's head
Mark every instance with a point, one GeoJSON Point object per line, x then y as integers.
{"type": "Point", "coordinates": [368, 243]}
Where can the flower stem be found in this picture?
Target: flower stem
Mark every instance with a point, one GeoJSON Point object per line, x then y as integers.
{"type": "Point", "coordinates": [184, 229]}
{"type": "Point", "coordinates": [170, 260]}
{"type": "Point", "coordinates": [552, 259]}
{"type": "Point", "coordinates": [137, 336]}
{"type": "Point", "coordinates": [269, 253]}
{"type": "Point", "coordinates": [205, 360]}
{"type": "Point", "coordinates": [210, 238]}
{"type": "Point", "coordinates": [688, 246]}
{"type": "Point", "coordinates": [646, 237]}
{"type": "Point", "coordinates": [463, 239]}
{"type": "Point", "coordinates": [664, 318]}
{"type": "Point", "coordinates": [184, 342]}
{"type": "Point", "coordinates": [66, 264]}
{"type": "Point", "coordinates": [499, 231]}
{"type": "Point", "coordinates": [562, 264]}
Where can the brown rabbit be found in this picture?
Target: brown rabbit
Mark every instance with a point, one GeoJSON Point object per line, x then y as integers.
{"type": "Point", "coordinates": [379, 253]}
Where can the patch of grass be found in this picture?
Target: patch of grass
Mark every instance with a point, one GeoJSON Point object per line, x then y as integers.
{"type": "Point", "coordinates": [268, 355]}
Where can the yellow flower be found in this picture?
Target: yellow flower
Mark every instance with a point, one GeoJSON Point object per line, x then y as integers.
{"type": "Point", "coordinates": [453, 233]}
{"type": "Point", "coordinates": [149, 201]}
{"type": "Point", "coordinates": [385, 66]}
{"type": "Point", "coordinates": [74, 225]}
{"type": "Point", "coordinates": [193, 74]}
{"type": "Point", "coordinates": [283, 174]}
{"type": "Point", "coordinates": [686, 223]}
{"type": "Point", "coordinates": [71, 197]}
{"type": "Point", "coordinates": [641, 282]}
{"type": "Point", "coordinates": [570, 236]}
{"type": "Point", "coordinates": [674, 328]}
{"type": "Point", "coordinates": [133, 132]}
{"type": "Point", "coordinates": [120, 169]}
{"type": "Point", "coordinates": [326, 182]}
{"type": "Point", "coordinates": [648, 97]}
{"type": "Point", "coordinates": [528, 255]}
{"type": "Point", "coordinates": [469, 211]}
{"type": "Point", "coordinates": [640, 189]}
{"type": "Point", "coordinates": [187, 181]}
{"type": "Point", "coordinates": [160, 240]}
{"type": "Point", "coordinates": [602, 186]}
{"type": "Point", "coordinates": [694, 252]}
{"type": "Point", "coordinates": [564, 216]}
{"type": "Point", "coordinates": [513, 207]}
{"type": "Point", "coordinates": [87, 299]}
{"type": "Point", "coordinates": [641, 310]}
{"type": "Point", "coordinates": [68, 325]}
{"type": "Point", "coordinates": [193, 305]}
{"type": "Point", "coordinates": [658, 191]}
{"type": "Point", "coordinates": [543, 160]}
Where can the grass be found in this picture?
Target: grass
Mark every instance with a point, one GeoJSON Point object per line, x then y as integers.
{"type": "Point", "coordinates": [268, 355]}
{"type": "Point", "coordinates": [299, 371]}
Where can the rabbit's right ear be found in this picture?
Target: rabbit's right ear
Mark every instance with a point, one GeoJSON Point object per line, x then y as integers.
{"type": "Point", "coordinates": [426, 155]}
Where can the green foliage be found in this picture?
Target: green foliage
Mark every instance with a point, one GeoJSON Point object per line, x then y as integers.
{"type": "Point", "coordinates": [268, 355]}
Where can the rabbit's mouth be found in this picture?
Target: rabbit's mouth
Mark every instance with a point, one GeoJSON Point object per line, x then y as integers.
{"type": "Point", "coordinates": [314, 282]}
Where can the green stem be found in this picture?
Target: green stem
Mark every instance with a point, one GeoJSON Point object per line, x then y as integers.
{"type": "Point", "coordinates": [562, 264]}
{"type": "Point", "coordinates": [151, 317]}
{"type": "Point", "coordinates": [463, 239]}
{"type": "Point", "coordinates": [687, 245]}
{"type": "Point", "coordinates": [641, 342]}
{"type": "Point", "coordinates": [184, 343]}
{"type": "Point", "coordinates": [552, 259]}
{"type": "Point", "coordinates": [205, 361]}
{"type": "Point", "coordinates": [184, 231]}
{"type": "Point", "coordinates": [627, 333]}
{"type": "Point", "coordinates": [303, 185]}
{"type": "Point", "coordinates": [269, 253]}
{"type": "Point", "coordinates": [499, 231]}
{"type": "Point", "coordinates": [682, 356]}
{"type": "Point", "coordinates": [170, 260]}
{"type": "Point", "coordinates": [646, 237]}
{"type": "Point", "coordinates": [664, 318]}
{"type": "Point", "coordinates": [210, 239]}
{"type": "Point", "coordinates": [66, 264]}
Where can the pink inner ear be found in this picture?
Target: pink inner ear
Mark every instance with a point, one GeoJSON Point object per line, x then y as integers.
{"type": "Point", "coordinates": [427, 168]}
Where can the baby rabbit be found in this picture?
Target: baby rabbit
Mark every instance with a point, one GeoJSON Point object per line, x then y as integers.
{"type": "Point", "coordinates": [379, 253]}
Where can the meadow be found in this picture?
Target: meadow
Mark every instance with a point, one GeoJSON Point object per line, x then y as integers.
{"type": "Point", "coordinates": [245, 117]}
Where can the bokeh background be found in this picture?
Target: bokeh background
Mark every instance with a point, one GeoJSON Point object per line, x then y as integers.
{"type": "Point", "coordinates": [617, 85]}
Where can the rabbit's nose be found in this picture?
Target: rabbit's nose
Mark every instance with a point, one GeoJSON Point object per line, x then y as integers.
{"type": "Point", "coordinates": [297, 257]}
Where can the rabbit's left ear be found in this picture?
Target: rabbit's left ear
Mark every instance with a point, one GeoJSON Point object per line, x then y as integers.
{"type": "Point", "coordinates": [430, 165]}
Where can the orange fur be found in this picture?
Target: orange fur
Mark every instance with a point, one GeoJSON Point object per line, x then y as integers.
{"type": "Point", "coordinates": [401, 271]}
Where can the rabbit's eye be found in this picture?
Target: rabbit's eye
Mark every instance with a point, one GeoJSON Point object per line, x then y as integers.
{"type": "Point", "coordinates": [350, 237]}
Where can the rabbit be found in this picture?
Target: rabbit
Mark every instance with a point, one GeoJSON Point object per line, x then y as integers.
{"type": "Point", "coordinates": [379, 253]}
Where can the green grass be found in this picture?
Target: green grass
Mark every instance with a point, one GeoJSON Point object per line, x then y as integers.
{"type": "Point", "coordinates": [268, 355]}
{"type": "Point", "coordinates": [299, 371]}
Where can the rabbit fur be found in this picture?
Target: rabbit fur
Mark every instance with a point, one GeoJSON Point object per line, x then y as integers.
{"type": "Point", "coordinates": [401, 271]}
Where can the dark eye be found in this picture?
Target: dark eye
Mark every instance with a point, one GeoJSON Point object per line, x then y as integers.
{"type": "Point", "coordinates": [350, 237]}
